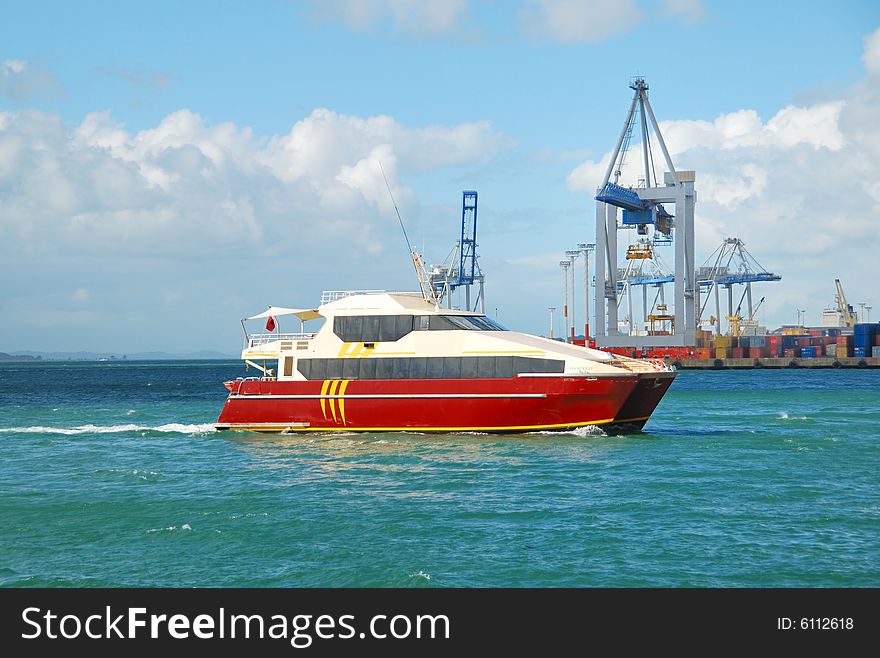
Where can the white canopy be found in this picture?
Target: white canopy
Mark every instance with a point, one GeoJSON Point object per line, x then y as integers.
{"type": "Point", "coordinates": [274, 311]}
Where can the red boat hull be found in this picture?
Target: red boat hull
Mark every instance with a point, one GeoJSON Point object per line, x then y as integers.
{"type": "Point", "coordinates": [440, 405]}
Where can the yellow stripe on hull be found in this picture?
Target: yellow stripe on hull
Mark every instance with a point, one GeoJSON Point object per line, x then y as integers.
{"type": "Point", "coordinates": [506, 428]}
{"type": "Point", "coordinates": [342, 388]}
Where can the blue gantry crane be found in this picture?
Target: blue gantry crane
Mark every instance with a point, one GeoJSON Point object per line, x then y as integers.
{"type": "Point", "coordinates": [462, 267]}
{"type": "Point", "coordinates": [729, 265]}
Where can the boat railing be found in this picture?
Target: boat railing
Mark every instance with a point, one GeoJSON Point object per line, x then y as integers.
{"type": "Point", "coordinates": [332, 295]}
{"type": "Point", "coordinates": [256, 340]}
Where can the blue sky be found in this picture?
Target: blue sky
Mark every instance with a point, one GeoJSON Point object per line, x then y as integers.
{"type": "Point", "coordinates": [167, 168]}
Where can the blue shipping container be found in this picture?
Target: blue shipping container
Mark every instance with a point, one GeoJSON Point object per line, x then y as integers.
{"type": "Point", "coordinates": [808, 352]}
{"type": "Point", "coordinates": [860, 351]}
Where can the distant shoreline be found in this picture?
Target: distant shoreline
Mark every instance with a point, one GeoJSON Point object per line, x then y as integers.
{"type": "Point", "coordinates": [42, 357]}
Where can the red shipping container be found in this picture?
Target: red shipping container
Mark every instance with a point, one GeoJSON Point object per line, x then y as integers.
{"type": "Point", "coordinates": [757, 352]}
{"type": "Point", "coordinates": [845, 340]}
{"type": "Point", "coordinates": [737, 352]}
{"type": "Point", "coordinates": [877, 339]}
{"type": "Point", "coordinates": [791, 352]}
{"type": "Point", "coordinates": [803, 342]}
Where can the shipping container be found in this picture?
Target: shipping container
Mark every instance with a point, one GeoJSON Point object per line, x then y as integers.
{"type": "Point", "coordinates": [831, 350]}
{"type": "Point", "coordinates": [808, 352]}
{"type": "Point", "coordinates": [721, 353]}
{"type": "Point", "coordinates": [757, 352]}
{"type": "Point", "coordinates": [861, 352]}
{"type": "Point", "coordinates": [843, 351]}
{"type": "Point", "coordinates": [791, 352]}
{"type": "Point", "coordinates": [875, 351]}
{"type": "Point", "coordinates": [737, 352]}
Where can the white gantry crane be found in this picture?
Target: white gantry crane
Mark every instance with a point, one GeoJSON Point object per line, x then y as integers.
{"type": "Point", "coordinates": [642, 208]}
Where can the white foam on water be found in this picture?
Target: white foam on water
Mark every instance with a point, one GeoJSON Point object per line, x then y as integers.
{"type": "Point", "coordinates": [420, 574]}
{"type": "Point", "coordinates": [583, 432]}
{"type": "Point", "coordinates": [783, 415]}
{"type": "Point", "coordinates": [170, 528]}
{"type": "Point", "coordinates": [180, 428]}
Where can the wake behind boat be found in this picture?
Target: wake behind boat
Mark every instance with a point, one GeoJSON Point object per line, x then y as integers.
{"type": "Point", "coordinates": [395, 361]}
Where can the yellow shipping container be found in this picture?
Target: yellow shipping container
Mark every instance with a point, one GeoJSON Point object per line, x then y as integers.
{"type": "Point", "coordinates": [721, 352]}
{"type": "Point", "coordinates": [722, 341]}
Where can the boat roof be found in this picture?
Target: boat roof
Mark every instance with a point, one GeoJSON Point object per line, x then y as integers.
{"type": "Point", "coordinates": [363, 302]}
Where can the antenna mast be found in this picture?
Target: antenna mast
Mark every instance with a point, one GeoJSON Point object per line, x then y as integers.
{"type": "Point", "coordinates": [421, 271]}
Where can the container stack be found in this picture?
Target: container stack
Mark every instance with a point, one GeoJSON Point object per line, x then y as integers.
{"type": "Point", "coordinates": [864, 338]}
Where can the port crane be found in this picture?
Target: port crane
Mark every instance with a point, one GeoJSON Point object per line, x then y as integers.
{"type": "Point", "coordinates": [643, 208]}
{"type": "Point", "coordinates": [462, 267]}
{"type": "Point", "coordinates": [845, 310]}
{"type": "Point", "coordinates": [736, 323]}
{"type": "Point", "coordinates": [731, 264]}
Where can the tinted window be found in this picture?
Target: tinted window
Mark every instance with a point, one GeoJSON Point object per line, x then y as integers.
{"type": "Point", "coordinates": [421, 322]}
{"type": "Point", "coordinates": [384, 368]}
{"type": "Point", "coordinates": [334, 368]}
{"type": "Point", "coordinates": [418, 367]}
{"type": "Point", "coordinates": [350, 369]}
{"type": "Point", "coordinates": [451, 367]}
{"type": "Point", "coordinates": [469, 367]}
{"type": "Point", "coordinates": [486, 366]}
{"type": "Point", "coordinates": [319, 369]}
{"type": "Point", "coordinates": [434, 368]}
{"type": "Point", "coordinates": [370, 333]}
{"type": "Point", "coordinates": [400, 368]}
{"type": "Point", "coordinates": [367, 368]}
{"type": "Point", "coordinates": [404, 325]}
{"type": "Point", "coordinates": [504, 366]}
{"type": "Point", "coordinates": [439, 323]}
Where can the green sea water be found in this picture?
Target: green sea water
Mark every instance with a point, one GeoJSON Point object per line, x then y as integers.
{"type": "Point", "coordinates": [111, 475]}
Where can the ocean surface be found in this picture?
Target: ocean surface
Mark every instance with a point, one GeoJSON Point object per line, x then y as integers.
{"type": "Point", "coordinates": [111, 474]}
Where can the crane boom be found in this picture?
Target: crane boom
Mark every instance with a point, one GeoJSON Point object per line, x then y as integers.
{"type": "Point", "coordinates": [845, 310]}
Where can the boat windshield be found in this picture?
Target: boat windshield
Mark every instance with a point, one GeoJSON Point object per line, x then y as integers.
{"type": "Point", "coordinates": [447, 322]}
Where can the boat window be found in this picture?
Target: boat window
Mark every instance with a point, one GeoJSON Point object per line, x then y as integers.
{"type": "Point", "coordinates": [370, 333]}
{"type": "Point", "coordinates": [436, 367]}
{"type": "Point", "coordinates": [384, 368]}
{"type": "Point", "coordinates": [451, 367]}
{"type": "Point", "coordinates": [418, 367]}
{"type": "Point", "coordinates": [400, 369]}
{"type": "Point", "coordinates": [449, 322]}
{"type": "Point", "coordinates": [372, 328]}
{"type": "Point", "coordinates": [366, 368]}
{"type": "Point", "coordinates": [319, 369]}
{"type": "Point", "coordinates": [288, 366]}
{"type": "Point", "coordinates": [504, 367]}
{"type": "Point", "coordinates": [350, 369]}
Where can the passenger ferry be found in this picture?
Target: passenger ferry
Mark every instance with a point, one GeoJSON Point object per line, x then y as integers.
{"type": "Point", "coordinates": [397, 361]}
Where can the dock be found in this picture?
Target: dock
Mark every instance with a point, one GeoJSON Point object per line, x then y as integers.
{"type": "Point", "coordinates": [756, 364]}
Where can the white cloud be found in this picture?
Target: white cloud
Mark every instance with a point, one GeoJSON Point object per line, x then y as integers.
{"type": "Point", "coordinates": [186, 186]}
{"type": "Point", "coordinates": [579, 21]}
{"type": "Point", "coordinates": [420, 17]}
{"type": "Point", "coordinates": [871, 54]}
